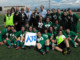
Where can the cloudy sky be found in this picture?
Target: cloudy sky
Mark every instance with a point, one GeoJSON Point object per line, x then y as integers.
{"type": "Point", "coordinates": [37, 3]}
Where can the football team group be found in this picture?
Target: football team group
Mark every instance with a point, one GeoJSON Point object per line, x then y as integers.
{"type": "Point", "coordinates": [55, 29]}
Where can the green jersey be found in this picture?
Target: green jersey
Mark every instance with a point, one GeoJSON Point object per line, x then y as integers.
{"type": "Point", "coordinates": [20, 34]}
{"type": "Point", "coordinates": [29, 31]}
{"type": "Point", "coordinates": [5, 33]}
{"type": "Point", "coordinates": [56, 26]}
{"type": "Point", "coordinates": [73, 18]}
{"type": "Point", "coordinates": [46, 35]}
{"type": "Point", "coordinates": [47, 25]}
{"type": "Point", "coordinates": [71, 34]}
{"type": "Point", "coordinates": [35, 31]}
{"type": "Point", "coordinates": [59, 16]}
{"type": "Point", "coordinates": [12, 35]}
{"type": "Point", "coordinates": [53, 35]}
{"type": "Point", "coordinates": [40, 39]}
{"type": "Point", "coordinates": [54, 17]}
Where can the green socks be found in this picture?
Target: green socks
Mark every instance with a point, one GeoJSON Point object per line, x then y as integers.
{"type": "Point", "coordinates": [74, 43]}
{"type": "Point", "coordinates": [18, 43]}
{"type": "Point", "coordinates": [14, 42]}
{"type": "Point", "coordinates": [41, 50]}
{"type": "Point", "coordinates": [8, 42]}
{"type": "Point", "coordinates": [47, 48]}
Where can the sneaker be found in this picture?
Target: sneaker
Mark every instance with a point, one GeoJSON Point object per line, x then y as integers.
{"type": "Point", "coordinates": [75, 46]}
{"type": "Point", "coordinates": [68, 51]}
{"type": "Point", "coordinates": [43, 53]}
{"type": "Point", "coordinates": [9, 46]}
{"type": "Point", "coordinates": [64, 52]}
{"type": "Point", "coordinates": [47, 51]}
{"type": "Point", "coordinates": [17, 48]}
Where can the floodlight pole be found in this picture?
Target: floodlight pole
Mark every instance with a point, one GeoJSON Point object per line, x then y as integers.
{"type": "Point", "coordinates": [49, 4]}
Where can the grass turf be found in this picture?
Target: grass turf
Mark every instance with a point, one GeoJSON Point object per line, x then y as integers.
{"type": "Point", "coordinates": [32, 54]}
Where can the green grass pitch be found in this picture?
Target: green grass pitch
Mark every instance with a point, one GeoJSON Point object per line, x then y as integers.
{"type": "Point", "coordinates": [32, 54]}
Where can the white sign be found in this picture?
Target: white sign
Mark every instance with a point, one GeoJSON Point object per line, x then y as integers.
{"type": "Point", "coordinates": [30, 39]}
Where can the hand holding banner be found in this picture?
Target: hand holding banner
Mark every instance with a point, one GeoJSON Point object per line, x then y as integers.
{"type": "Point", "coordinates": [30, 39]}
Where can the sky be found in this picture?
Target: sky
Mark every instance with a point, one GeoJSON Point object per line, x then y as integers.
{"type": "Point", "coordinates": [38, 3]}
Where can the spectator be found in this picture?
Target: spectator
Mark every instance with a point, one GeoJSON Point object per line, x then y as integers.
{"type": "Point", "coordinates": [28, 13]}
{"type": "Point", "coordinates": [43, 12]}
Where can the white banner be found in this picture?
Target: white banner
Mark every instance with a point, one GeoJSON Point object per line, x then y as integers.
{"type": "Point", "coordinates": [30, 39]}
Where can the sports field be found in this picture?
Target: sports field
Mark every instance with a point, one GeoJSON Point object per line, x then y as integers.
{"type": "Point", "coordinates": [32, 54]}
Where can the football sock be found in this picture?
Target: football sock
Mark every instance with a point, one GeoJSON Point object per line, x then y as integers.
{"type": "Point", "coordinates": [47, 48]}
{"type": "Point", "coordinates": [74, 43]}
{"type": "Point", "coordinates": [41, 50]}
{"type": "Point", "coordinates": [14, 42]}
{"type": "Point", "coordinates": [18, 43]}
{"type": "Point", "coordinates": [8, 42]}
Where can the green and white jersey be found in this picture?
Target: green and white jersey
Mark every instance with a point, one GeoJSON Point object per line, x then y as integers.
{"type": "Point", "coordinates": [71, 34]}
{"type": "Point", "coordinates": [40, 39]}
{"type": "Point", "coordinates": [46, 35]}
{"type": "Point", "coordinates": [52, 34]}
{"type": "Point", "coordinates": [5, 33]}
{"type": "Point", "coordinates": [56, 26]}
{"type": "Point", "coordinates": [73, 18]}
{"type": "Point", "coordinates": [13, 34]}
{"type": "Point", "coordinates": [21, 34]}
{"type": "Point", "coordinates": [47, 25]}
{"type": "Point", "coordinates": [59, 16]}
{"type": "Point", "coordinates": [54, 17]}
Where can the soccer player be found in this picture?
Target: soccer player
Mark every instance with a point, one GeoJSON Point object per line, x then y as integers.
{"type": "Point", "coordinates": [13, 37]}
{"type": "Point", "coordinates": [62, 42]}
{"type": "Point", "coordinates": [46, 35]}
{"type": "Point", "coordinates": [41, 42]}
{"type": "Point", "coordinates": [73, 21]}
{"type": "Point", "coordinates": [40, 24]}
{"type": "Point", "coordinates": [52, 38]}
{"type": "Point", "coordinates": [35, 30]}
{"type": "Point", "coordinates": [73, 37]}
{"type": "Point", "coordinates": [48, 14]}
{"type": "Point", "coordinates": [30, 29]}
{"type": "Point", "coordinates": [59, 16]}
{"type": "Point", "coordinates": [48, 23]}
{"type": "Point", "coordinates": [20, 38]}
{"type": "Point", "coordinates": [27, 26]}
{"type": "Point", "coordinates": [63, 31]}
{"type": "Point", "coordinates": [65, 20]}
{"type": "Point", "coordinates": [5, 36]}
{"type": "Point", "coordinates": [53, 16]}
{"type": "Point", "coordinates": [56, 25]}
{"type": "Point", "coordinates": [12, 10]}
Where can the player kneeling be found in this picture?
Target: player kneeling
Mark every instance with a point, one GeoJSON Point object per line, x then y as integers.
{"type": "Point", "coordinates": [41, 42]}
{"type": "Point", "coordinates": [20, 38]}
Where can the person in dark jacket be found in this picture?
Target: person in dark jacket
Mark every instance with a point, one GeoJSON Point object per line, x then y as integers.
{"type": "Point", "coordinates": [16, 19]}
{"type": "Point", "coordinates": [22, 18]}
{"type": "Point", "coordinates": [35, 17]}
